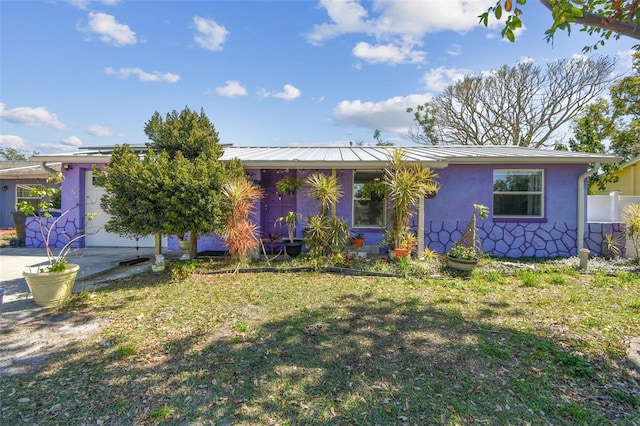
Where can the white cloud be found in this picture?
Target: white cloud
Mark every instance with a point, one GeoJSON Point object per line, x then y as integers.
{"type": "Point", "coordinates": [625, 59]}
{"type": "Point", "coordinates": [143, 76]}
{"type": "Point", "coordinates": [210, 35]}
{"type": "Point", "coordinates": [388, 53]}
{"type": "Point", "coordinates": [31, 117]}
{"type": "Point", "coordinates": [346, 16]}
{"type": "Point", "coordinates": [84, 4]}
{"type": "Point", "coordinates": [436, 79]}
{"type": "Point", "coordinates": [288, 93]}
{"type": "Point", "coordinates": [389, 115]}
{"type": "Point", "coordinates": [454, 50]}
{"type": "Point", "coordinates": [396, 26]}
{"type": "Point", "coordinates": [13, 141]}
{"type": "Point", "coordinates": [98, 130]}
{"type": "Point", "coordinates": [230, 89]}
{"type": "Point", "coordinates": [72, 141]}
{"type": "Point", "coordinates": [52, 148]}
{"type": "Point", "coordinates": [109, 30]}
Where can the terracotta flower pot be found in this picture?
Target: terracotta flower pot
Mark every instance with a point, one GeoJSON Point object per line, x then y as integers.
{"type": "Point", "coordinates": [357, 242]}
{"type": "Point", "coordinates": [51, 288]}
{"type": "Point", "coordinates": [400, 252]}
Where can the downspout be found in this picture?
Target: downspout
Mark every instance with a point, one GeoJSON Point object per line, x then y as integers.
{"type": "Point", "coordinates": [581, 197]}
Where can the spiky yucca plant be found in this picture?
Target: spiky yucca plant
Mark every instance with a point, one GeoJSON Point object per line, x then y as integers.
{"type": "Point", "coordinates": [240, 234]}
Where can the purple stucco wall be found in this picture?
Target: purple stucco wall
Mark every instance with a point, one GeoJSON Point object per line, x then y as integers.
{"type": "Point", "coordinates": [447, 215]}
{"type": "Point", "coordinates": [554, 235]}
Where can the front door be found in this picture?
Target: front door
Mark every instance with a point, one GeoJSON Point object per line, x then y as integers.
{"type": "Point", "coordinates": [275, 205]}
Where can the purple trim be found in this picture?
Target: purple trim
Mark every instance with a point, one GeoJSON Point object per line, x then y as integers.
{"type": "Point", "coordinates": [520, 219]}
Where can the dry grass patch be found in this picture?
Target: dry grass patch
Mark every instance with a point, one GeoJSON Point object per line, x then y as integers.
{"type": "Point", "coordinates": [314, 348]}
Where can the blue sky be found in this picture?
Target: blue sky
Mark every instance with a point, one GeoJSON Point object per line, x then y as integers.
{"type": "Point", "coordinates": [267, 73]}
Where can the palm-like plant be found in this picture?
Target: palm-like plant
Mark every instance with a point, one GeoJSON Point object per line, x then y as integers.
{"type": "Point", "coordinates": [291, 220]}
{"type": "Point", "coordinates": [240, 234]}
{"type": "Point", "coordinates": [632, 223]}
{"type": "Point", "coordinates": [325, 189]}
{"type": "Point", "coordinates": [406, 184]}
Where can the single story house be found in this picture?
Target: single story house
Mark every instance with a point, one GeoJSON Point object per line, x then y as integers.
{"type": "Point", "coordinates": [628, 180]}
{"type": "Point", "coordinates": [536, 197]}
{"type": "Point", "coordinates": [16, 180]}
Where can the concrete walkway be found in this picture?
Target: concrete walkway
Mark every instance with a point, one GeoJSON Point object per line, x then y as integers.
{"type": "Point", "coordinates": [97, 265]}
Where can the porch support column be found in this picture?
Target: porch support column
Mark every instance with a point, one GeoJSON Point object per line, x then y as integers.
{"type": "Point", "coordinates": [421, 213]}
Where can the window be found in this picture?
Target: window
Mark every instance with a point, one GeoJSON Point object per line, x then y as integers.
{"type": "Point", "coordinates": [23, 193]}
{"type": "Point", "coordinates": [368, 209]}
{"type": "Point", "coordinates": [518, 193]}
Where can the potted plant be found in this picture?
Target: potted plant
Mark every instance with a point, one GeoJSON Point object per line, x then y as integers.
{"type": "Point", "coordinates": [407, 243]}
{"type": "Point", "coordinates": [462, 258]}
{"type": "Point", "coordinates": [184, 244]}
{"type": "Point", "coordinates": [357, 240]}
{"type": "Point", "coordinates": [292, 247]}
{"type": "Point", "coordinates": [50, 284]}
{"type": "Point", "coordinates": [288, 185]}
{"type": "Point", "coordinates": [464, 254]}
{"type": "Point", "coordinates": [374, 190]}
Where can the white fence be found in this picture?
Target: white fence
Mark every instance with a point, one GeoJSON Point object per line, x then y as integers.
{"type": "Point", "coordinates": [608, 208]}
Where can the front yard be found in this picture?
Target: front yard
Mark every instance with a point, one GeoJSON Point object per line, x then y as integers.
{"type": "Point", "coordinates": [526, 343]}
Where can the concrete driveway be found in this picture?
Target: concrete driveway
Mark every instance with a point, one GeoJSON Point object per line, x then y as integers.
{"type": "Point", "coordinates": [97, 265]}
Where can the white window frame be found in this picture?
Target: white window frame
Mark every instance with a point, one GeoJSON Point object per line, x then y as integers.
{"type": "Point", "coordinates": [540, 193]}
{"type": "Point", "coordinates": [32, 200]}
{"type": "Point", "coordinates": [355, 199]}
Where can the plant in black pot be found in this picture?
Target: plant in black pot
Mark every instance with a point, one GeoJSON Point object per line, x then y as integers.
{"type": "Point", "coordinates": [292, 247]}
{"type": "Point", "coordinates": [374, 190]}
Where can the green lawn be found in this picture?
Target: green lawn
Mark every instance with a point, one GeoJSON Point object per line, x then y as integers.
{"type": "Point", "coordinates": [544, 345]}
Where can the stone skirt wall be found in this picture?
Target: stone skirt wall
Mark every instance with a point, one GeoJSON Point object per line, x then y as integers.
{"type": "Point", "coordinates": [595, 232]}
{"type": "Point", "coordinates": [508, 239]}
{"type": "Point", "coordinates": [65, 230]}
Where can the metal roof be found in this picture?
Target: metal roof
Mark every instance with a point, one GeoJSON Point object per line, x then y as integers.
{"type": "Point", "coordinates": [370, 157]}
{"type": "Point", "coordinates": [28, 169]}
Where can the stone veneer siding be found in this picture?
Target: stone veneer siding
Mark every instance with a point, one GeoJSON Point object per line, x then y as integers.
{"type": "Point", "coordinates": [508, 239]}
{"type": "Point", "coordinates": [595, 235]}
{"type": "Point", "coordinates": [65, 229]}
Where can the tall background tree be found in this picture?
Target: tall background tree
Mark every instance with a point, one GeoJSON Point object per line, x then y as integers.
{"type": "Point", "coordinates": [603, 18]}
{"type": "Point", "coordinates": [176, 186]}
{"type": "Point", "coordinates": [524, 105]}
{"type": "Point", "coordinates": [12, 154]}
{"type": "Point", "coordinates": [611, 126]}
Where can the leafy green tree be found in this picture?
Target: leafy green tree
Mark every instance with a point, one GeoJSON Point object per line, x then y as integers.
{"type": "Point", "coordinates": [611, 126]}
{"type": "Point", "coordinates": [625, 101]}
{"type": "Point", "coordinates": [186, 131]}
{"type": "Point", "coordinates": [377, 135]}
{"type": "Point", "coordinates": [165, 191]}
{"type": "Point", "coordinates": [592, 132]}
{"type": "Point", "coordinates": [603, 18]}
{"type": "Point", "coordinates": [523, 105]}
{"type": "Point", "coordinates": [12, 154]}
